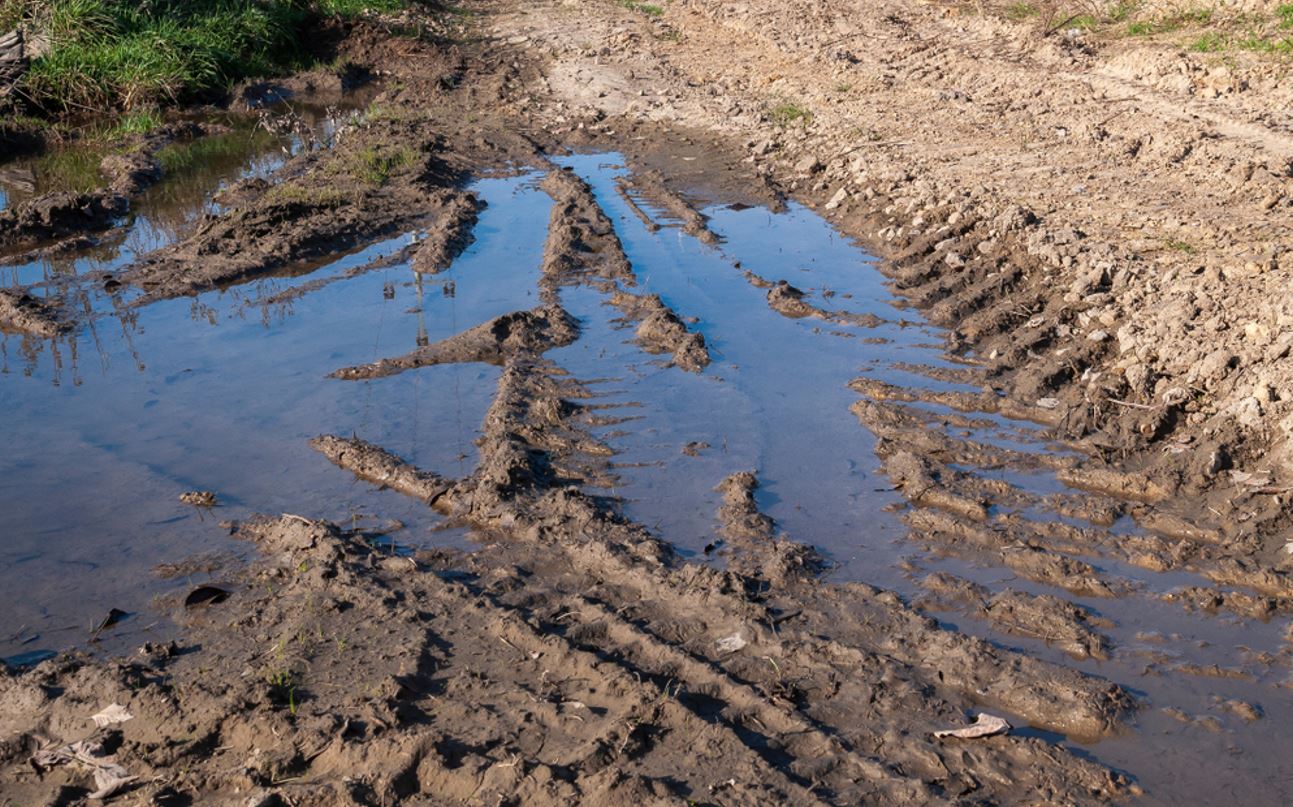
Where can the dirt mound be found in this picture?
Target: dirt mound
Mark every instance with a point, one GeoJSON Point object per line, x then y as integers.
{"type": "Point", "coordinates": [387, 176]}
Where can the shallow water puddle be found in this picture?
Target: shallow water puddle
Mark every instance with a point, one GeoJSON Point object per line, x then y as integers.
{"type": "Point", "coordinates": [110, 424]}
{"type": "Point", "coordinates": [107, 429]}
{"type": "Point", "coordinates": [775, 401]}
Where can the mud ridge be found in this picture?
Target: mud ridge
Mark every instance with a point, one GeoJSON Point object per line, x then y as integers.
{"type": "Point", "coordinates": [529, 426]}
{"type": "Point", "coordinates": [582, 247]}
{"type": "Point", "coordinates": [519, 333]}
{"type": "Point", "coordinates": [752, 546]}
{"type": "Point", "coordinates": [651, 185]}
{"type": "Point", "coordinates": [385, 176]}
{"type": "Point", "coordinates": [449, 236]}
{"type": "Point", "coordinates": [1043, 617]}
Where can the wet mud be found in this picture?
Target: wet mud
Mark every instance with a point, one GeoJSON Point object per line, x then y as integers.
{"type": "Point", "coordinates": [599, 484]}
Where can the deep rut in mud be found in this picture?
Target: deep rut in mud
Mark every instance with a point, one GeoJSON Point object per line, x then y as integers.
{"type": "Point", "coordinates": [605, 353]}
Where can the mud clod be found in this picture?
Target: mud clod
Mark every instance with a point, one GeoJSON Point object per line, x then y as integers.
{"type": "Point", "coordinates": [661, 331]}
{"type": "Point", "coordinates": [378, 466]}
{"type": "Point", "coordinates": [23, 313]}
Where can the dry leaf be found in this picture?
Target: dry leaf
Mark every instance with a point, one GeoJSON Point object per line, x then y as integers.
{"type": "Point", "coordinates": [110, 779]}
{"type": "Point", "coordinates": [115, 713]}
{"type": "Point", "coordinates": [1255, 480]}
{"type": "Point", "coordinates": [731, 644]}
{"type": "Point", "coordinates": [985, 725]}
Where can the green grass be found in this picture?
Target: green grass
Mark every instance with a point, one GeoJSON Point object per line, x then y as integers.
{"type": "Point", "coordinates": [289, 194]}
{"type": "Point", "coordinates": [790, 113]}
{"type": "Point", "coordinates": [1201, 27]}
{"type": "Point", "coordinates": [649, 9]}
{"type": "Point", "coordinates": [377, 164]}
{"type": "Point", "coordinates": [354, 8]}
{"type": "Point", "coordinates": [1211, 42]}
{"type": "Point", "coordinates": [282, 688]}
{"type": "Point", "coordinates": [135, 54]}
{"type": "Point", "coordinates": [139, 122]}
{"type": "Point", "coordinates": [1121, 12]}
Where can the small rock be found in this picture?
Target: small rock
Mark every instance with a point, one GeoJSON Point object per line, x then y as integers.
{"type": "Point", "coordinates": [809, 165]}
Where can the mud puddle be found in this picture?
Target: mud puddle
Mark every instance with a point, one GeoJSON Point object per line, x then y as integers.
{"type": "Point", "coordinates": [775, 400]}
{"type": "Point", "coordinates": [195, 170]}
{"type": "Point", "coordinates": [222, 391]}
{"type": "Point", "coordinates": [109, 424]}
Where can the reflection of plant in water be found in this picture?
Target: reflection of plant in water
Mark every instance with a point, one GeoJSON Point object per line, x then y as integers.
{"type": "Point", "coordinates": [213, 153]}
{"type": "Point", "coordinates": [69, 169]}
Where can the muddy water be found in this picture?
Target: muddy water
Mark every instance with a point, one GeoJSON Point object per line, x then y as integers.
{"type": "Point", "coordinates": [107, 426]}
{"type": "Point", "coordinates": [110, 424]}
{"type": "Point", "coordinates": [775, 401]}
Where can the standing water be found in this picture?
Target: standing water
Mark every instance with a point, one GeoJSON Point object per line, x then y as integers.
{"type": "Point", "coordinates": [108, 425]}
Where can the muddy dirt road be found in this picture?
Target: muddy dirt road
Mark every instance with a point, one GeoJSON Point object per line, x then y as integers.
{"type": "Point", "coordinates": [573, 418]}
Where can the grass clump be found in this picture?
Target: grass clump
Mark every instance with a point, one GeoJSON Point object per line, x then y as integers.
{"type": "Point", "coordinates": [1022, 11]}
{"type": "Point", "coordinates": [789, 113]}
{"type": "Point", "coordinates": [1211, 42]}
{"type": "Point", "coordinates": [135, 54]}
{"type": "Point", "coordinates": [356, 8]}
{"type": "Point", "coordinates": [139, 122]}
{"type": "Point", "coordinates": [649, 9]}
{"type": "Point", "coordinates": [1121, 12]}
{"type": "Point", "coordinates": [377, 164]}
{"type": "Point", "coordinates": [290, 194]}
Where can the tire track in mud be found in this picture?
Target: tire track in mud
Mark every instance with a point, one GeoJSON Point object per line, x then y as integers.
{"type": "Point", "coordinates": [520, 471]}
{"type": "Point", "coordinates": [1073, 524]}
{"type": "Point", "coordinates": [798, 673]}
{"type": "Point", "coordinates": [835, 690]}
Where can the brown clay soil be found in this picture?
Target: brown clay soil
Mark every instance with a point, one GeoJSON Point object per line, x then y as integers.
{"type": "Point", "coordinates": [1027, 190]}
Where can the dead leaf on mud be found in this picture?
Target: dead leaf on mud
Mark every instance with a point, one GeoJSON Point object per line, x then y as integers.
{"type": "Point", "coordinates": [115, 713]}
{"type": "Point", "coordinates": [731, 644]}
{"type": "Point", "coordinates": [985, 725]}
{"type": "Point", "coordinates": [205, 595]}
{"type": "Point", "coordinates": [109, 777]}
{"type": "Point", "coordinates": [1260, 479]}
{"type": "Point", "coordinates": [1048, 403]}
{"type": "Point", "coordinates": [110, 780]}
